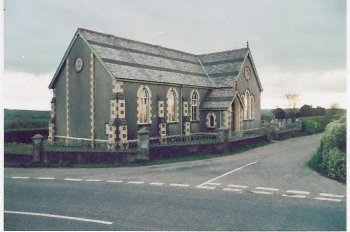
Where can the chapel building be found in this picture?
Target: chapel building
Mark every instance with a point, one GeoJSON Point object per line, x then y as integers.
{"type": "Point", "coordinates": [107, 88]}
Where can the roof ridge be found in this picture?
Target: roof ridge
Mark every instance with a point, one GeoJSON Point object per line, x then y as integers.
{"type": "Point", "coordinates": [231, 50]}
{"type": "Point", "coordinates": [134, 41]}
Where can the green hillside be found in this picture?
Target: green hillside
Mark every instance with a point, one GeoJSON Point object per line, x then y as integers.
{"type": "Point", "coordinates": [24, 119]}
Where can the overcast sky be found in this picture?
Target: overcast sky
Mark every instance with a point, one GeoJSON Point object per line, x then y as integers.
{"type": "Point", "coordinates": [297, 46]}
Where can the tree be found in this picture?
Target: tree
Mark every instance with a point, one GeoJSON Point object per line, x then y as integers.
{"type": "Point", "coordinates": [334, 108]}
{"type": "Point", "coordinates": [279, 113]}
{"type": "Point", "coordinates": [306, 111]}
{"type": "Point", "coordinates": [320, 111]}
{"type": "Point", "coordinates": [292, 100]}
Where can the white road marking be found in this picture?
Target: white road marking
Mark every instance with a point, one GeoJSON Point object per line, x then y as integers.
{"type": "Point", "coordinates": [267, 189]}
{"type": "Point", "coordinates": [114, 181]}
{"type": "Point", "coordinates": [227, 173]}
{"type": "Point", "coordinates": [156, 183]}
{"type": "Point", "coordinates": [135, 182]}
{"type": "Point", "coordinates": [20, 177]}
{"type": "Point", "coordinates": [232, 190]}
{"type": "Point", "coordinates": [262, 192]}
{"type": "Point", "coordinates": [295, 196]}
{"type": "Point", "coordinates": [59, 216]}
{"type": "Point", "coordinates": [179, 185]}
{"type": "Point", "coordinates": [93, 180]}
{"type": "Point", "coordinates": [237, 186]}
{"type": "Point", "coordinates": [72, 179]}
{"type": "Point", "coordinates": [326, 199]}
{"type": "Point", "coordinates": [331, 195]}
{"type": "Point", "coordinates": [45, 178]}
{"type": "Point", "coordinates": [297, 192]}
{"type": "Point", "coordinates": [216, 184]}
{"type": "Point", "coordinates": [205, 187]}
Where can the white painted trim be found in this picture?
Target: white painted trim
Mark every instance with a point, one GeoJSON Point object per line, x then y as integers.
{"type": "Point", "coordinates": [297, 192]}
{"type": "Point", "coordinates": [331, 195]}
{"type": "Point", "coordinates": [58, 216]}
{"type": "Point", "coordinates": [156, 183]}
{"type": "Point", "coordinates": [237, 186]}
{"type": "Point", "coordinates": [262, 192]}
{"type": "Point", "coordinates": [114, 181]}
{"type": "Point", "coordinates": [92, 99]}
{"type": "Point", "coordinates": [179, 185]}
{"type": "Point", "coordinates": [327, 199]}
{"type": "Point", "coordinates": [227, 173]}
{"type": "Point", "coordinates": [232, 190]}
{"type": "Point", "coordinates": [293, 196]}
{"type": "Point", "coordinates": [72, 179]}
{"type": "Point", "coordinates": [268, 189]}
{"type": "Point", "coordinates": [67, 97]}
{"type": "Point", "coordinates": [135, 182]}
{"type": "Point", "coordinates": [82, 139]}
{"type": "Point", "coordinates": [205, 187]}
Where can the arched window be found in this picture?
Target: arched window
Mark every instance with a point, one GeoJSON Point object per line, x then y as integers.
{"type": "Point", "coordinates": [172, 105]}
{"type": "Point", "coordinates": [194, 105]}
{"type": "Point", "coordinates": [249, 107]}
{"type": "Point", "coordinates": [143, 106]}
{"type": "Point", "coordinates": [211, 120]}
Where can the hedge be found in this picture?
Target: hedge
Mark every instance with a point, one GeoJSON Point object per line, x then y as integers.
{"type": "Point", "coordinates": [23, 135]}
{"type": "Point", "coordinates": [330, 158]}
{"type": "Point", "coordinates": [317, 124]}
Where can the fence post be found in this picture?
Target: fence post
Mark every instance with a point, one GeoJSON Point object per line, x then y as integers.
{"type": "Point", "coordinates": [38, 150]}
{"type": "Point", "coordinates": [222, 139]}
{"type": "Point", "coordinates": [143, 144]}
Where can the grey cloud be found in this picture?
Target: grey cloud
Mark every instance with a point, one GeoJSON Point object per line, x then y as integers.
{"type": "Point", "coordinates": [294, 35]}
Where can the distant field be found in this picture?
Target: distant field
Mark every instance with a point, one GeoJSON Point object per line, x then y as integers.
{"type": "Point", "coordinates": [25, 119]}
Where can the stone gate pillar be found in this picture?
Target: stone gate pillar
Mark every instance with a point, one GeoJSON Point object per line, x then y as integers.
{"type": "Point", "coordinates": [143, 144]}
{"type": "Point", "coordinates": [223, 134]}
{"type": "Point", "coordinates": [38, 149]}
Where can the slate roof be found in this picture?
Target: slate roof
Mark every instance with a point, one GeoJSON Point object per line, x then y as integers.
{"type": "Point", "coordinates": [223, 67]}
{"type": "Point", "coordinates": [133, 60]}
{"type": "Point", "coordinates": [219, 99]}
{"type": "Point", "coordinates": [128, 59]}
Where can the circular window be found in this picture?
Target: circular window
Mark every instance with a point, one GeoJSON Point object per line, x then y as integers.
{"type": "Point", "coordinates": [78, 64]}
{"type": "Point", "coordinates": [247, 73]}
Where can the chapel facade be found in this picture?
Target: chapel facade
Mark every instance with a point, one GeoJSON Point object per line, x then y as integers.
{"type": "Point", "coordinates": [107, 88]}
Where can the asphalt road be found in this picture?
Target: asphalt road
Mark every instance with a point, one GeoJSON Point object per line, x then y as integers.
{"type": "Point", "coordinates": [268, 188]}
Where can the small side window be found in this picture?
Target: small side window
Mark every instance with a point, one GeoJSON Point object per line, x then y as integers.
{"type": "Point", "coordinates": [211, 120]}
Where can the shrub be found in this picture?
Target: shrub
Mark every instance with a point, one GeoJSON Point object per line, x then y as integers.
{"type": "Point", "coordinates": [330, 158]}
{"type": "Point", "coordinates": [335, 164]}
{"type": "Point", "coordinates": [312, 126]}
{"type": "Point", "coordinates": [316, 124]}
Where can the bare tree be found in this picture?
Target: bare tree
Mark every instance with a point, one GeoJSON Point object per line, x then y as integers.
{"type": "Point", "coordinates": [292, 103]}
{"type": "Point", "coordinates": [334, 105]}
{"type": "Point", "coordinates": [292, 100]}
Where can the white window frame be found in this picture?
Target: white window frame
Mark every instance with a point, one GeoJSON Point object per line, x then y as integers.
{"type": "Point", "coordinates": [194, 105]}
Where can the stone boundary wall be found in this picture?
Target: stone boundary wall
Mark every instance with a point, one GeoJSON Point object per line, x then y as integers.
{"type": "Point", "coordinates": [224, 142]}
